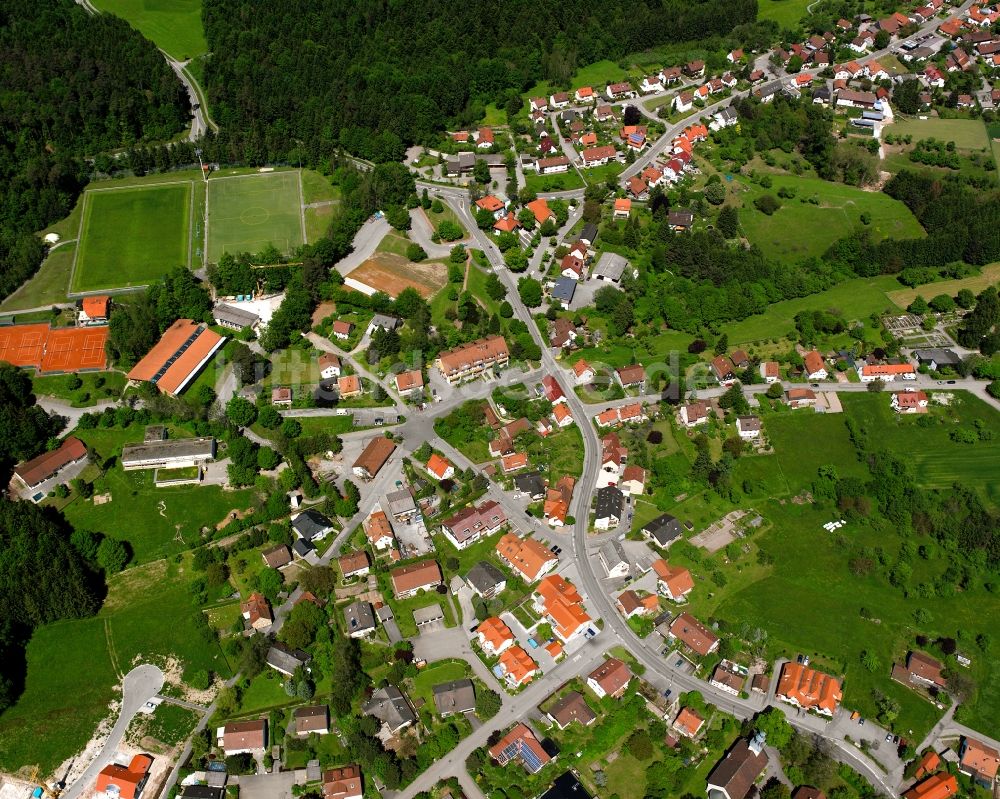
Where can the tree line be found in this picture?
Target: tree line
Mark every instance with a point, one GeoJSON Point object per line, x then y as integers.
{"type": "Point", "coordinates": [73, 85]}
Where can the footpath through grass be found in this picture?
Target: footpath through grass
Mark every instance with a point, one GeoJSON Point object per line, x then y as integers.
{"type": "Point", "coordinates": [173, 25]}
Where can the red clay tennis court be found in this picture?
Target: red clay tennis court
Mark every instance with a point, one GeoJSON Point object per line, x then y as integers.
{"type": "Point", "coordinates": [63, 350]}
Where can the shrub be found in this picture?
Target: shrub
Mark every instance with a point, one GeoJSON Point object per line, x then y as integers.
{"type": "Point", "coordinates": [767, 204]}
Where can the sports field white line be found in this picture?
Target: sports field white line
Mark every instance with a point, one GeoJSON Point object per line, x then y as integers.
{"type": "Point", "coordinates": [139, 186]}
{"type": "Point", "coordinates": [302, 210]}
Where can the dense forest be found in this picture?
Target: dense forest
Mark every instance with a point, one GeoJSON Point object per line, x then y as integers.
{"type": "Point", "coordinates": [71, 85]}
{"type": "Point", "coordinates": [374, 76]}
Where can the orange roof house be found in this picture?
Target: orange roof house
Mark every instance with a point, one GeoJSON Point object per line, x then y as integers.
{"type": "Point", "coordinates": [124, 782]}
{"type": "Point", "coordinates": [540, 209]}
{"type": "Point", "coordinates": [809, 689]}
{"type": "Point", "coordinates": [494, 635]}
{"type": "Point", "coordinates": [674, 582]}
{"type": "Point", "coordinates": [182, 351]}
{"type": "Point", "coordinates": [378, 530]}
{"type": "Point", "coordinates": [514, 462]}
{"type": "Point", "coordinates": [562, 604]}
{"type": "Point", "coordinates": [409, 381]}
{"type": "Point", "coordinates": [623, 207]}
{"type": "Point", "coordinates": [408, 580]}
{"type": "Point", "coordinates": [814, 363]}
{"type": "Point", "coordinates": [557, 501]}
{"type": "Point", "coordinates": [349, 386]}
{"type": "Point", "coordinates": [937, 786]}
{"type": "Point", "coordinates": [490, 203]}
{"type": "Point", "coordinates": [693, 634]}
{"type": "Point", "coordinates": [440, 467]}
{"type": "Point", "coordinates": [257, 611]}
{"type": "Point", "coordinates": [928, 764]}
{"type": "Point", "coordinates": [611, 678]}
{"type": "Point", "coordinates": [979, 761]}
{"type": "Point", "coordinates": [562, 415]}
{"type": "Point", "coordinates": [526, 556]}
{"type": "Point", "coordinates": [688, 722]}
{"type": "Point", "coordinates": [96, 307]}
{"type": "Point", "coordinates": [49, 464]}
{"type": "Point", "coordinates": [517, 666]}
{"type": "Point", "coordinates": [520, 744]}
{"type": "Point", "coordinates": [506, 224]}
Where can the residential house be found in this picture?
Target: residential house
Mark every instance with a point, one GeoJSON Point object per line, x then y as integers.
{"type": "Point", "coordinates": [390, 706]}
{"type": "Point", "coordinates": [286, 660]}
{"type": "Point", "coordinates": [887, 372]}
{"type": "Point", "coordinates": [695, 69]}
{"type": "Point", "coordinates": [683, 102]}
{"type": "Point", "coordinates": [631, 604]}
{"type": "Point", "coordinates": [456, 696]}
{"type": "Point", "coordinates": [439, 467]}
{"type": "Point", "coordinates": [688, 722]}
{"type": "Point", "coordinates": [604, 113]}
{"type": "Point", "coordinates": [748, 427]}
{"type": "Point", "coordinates": [800, 398]}
{"type": "Point", "coordinates": [724, 370]}
{"type": "Point", "coordinates": [563, 291]}
{"type": "Point", "coordinates": [520, 744]}
{"type": "Point", "coordinates": [694, 413]}
{"type": "Point", "coordinates": [281, 397]}
{"type": "Point", "coordinates": [526, 556]}
{"type": "Point", "coordinates": [979, 761]}
{"type": "Point", "coordinates": [728, 678]}
{"type": "Point", "coordinates": [770, 371]}
{"type": "Point", "coordinates": [571, 708]}
{"type": "Point", "coordinates": [633, 480]}
{"type": "Point", "coordinates": [559, 100]}
{"type": "Point", "coordinates": [562, 333]}
{"type": "Point", "coordinates": [557, 501]}
{"type": "Point", "coordinates": [329, 366]}
{"type": "Point", "coordinates": [359, 619]}
{"type": "Point", "coordinates": [562, 605]}
{"type": "Point", "coordinates": [562, 415]}
{"type": "Point", "coordinates": [619, 91]}
{"type": "Point", "coordinates": [585, 94]}
{"type": "Point", "coordinates": [909, 402]}
{"type": "Point", "coordinates": [312, 719]}
{"type": "Point", "coordinates": [349, 387]}
{"type": "Point", "coordinates": [613, 559]}
{"type": "Point", "coordinates": [95, 310]}
{"type": "Point", "coordinates": [552, 165]}
{"type": "Point", "coordinates": [663, 530]}
{"type": "Point", "coordinates": [503, 444]}
{"type": "Point", "coordinates": [813, 366]}
{"type": "Point", "coordinates": [486, 580]}
{"type": "Point", "coordinates": [354, 564]}
{"type": "Point", "coordinates": [651, 83]}
{"type": "Point", "coordinates": [609, 508]}
{"type": "Point", "coordinates": [633, 376]}
{"type": "Point", "coordinates": [277, 556]}
{"type": "Point", "coordinates": [469, 361]}
{"type": "Point", "coordinates": [734, 776]}
{"type": "Point", "coordinates": [342, 330]}
{"type": "Point", "coordinates": [611, 678]}
{"type": "Point", "coordinates": [378, 530]}
{"type": "Point", "coordinates": [530, 485]}
{"type": "Point", "coordinates": [938, 786]}
{"type": "Point", "coordinates": [473, 523]}
{"type": "Point", "coordinates": [622, 208]}
{"type": "Point", "coordinates": [809, 689]}
{"type": "Point", "coordinates": [33, 473]}
{"type": "Point", "coordinates": [494, 636]}
{"type": "Point", "coordinates": [494, 204]}
{"type": "Point", "coordinates": [516, 666]}
{"type": "Point", "coordinates": [238, 737]}
{"type": "Point", "coordinates": [484, 138]}
{"type": "Point", "coordinates": [538, 104]}
{"type": "Point", "coordinates": [311, 525]}
{"type": "Point", "coordinates": [673, 582]}
{"type": "Point", "coordinates": [935, 359]}
{"type": "Point", "coordinates": [409, 580]}
{"type": "Point", "coordinates": [374, 456]}
{"type": "Point", "coordinates": [124, 782]}
{"type": "Point", "coordinates": [583, 373]}
{"type": "Point", "coordinates": [410, 384]}
{"type": "Point", "coordinates": [383, 322]}
{"type": "Point", "coordinates": [598, 156]}
{"type": "Point", "coordinates": [342, 783]}
{"type": "Point", "coordinates": [257, 612]}
{"type": "Point", "coordinates": [693, 634]}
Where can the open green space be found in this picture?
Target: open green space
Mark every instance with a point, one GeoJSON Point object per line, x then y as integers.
{"type": "Point", "coordinates": [173, 25]}
{"type": "Point", "coordinates": [989, 276]}
{"type": "Point", "coordinates": [800, 229]}
{"type": "Point", "coordinates": [968, 134]}
{"type": "Point", "coordinates": [84, 658]}
{"type": "Point", "coordinates": [596, 75]}
{"type": "Point", "coordinates": [48, 285]}
{"type": "Point", "coordinates": [435, 674]}
{"type": "Point", "coordinates": [247, 214]}
{"type": "Point", "coordinates": [96, 387]}
{"type": "Point", "coordinates": [132, 236]}
{"type": "Point", "coordinates": [562, 181]}
{"type": "Point", "coordinates": [787, 13]}
{"type": "Point", "coordinates": [856, 299]}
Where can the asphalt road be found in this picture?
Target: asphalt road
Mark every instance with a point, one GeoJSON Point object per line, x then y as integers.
{"type": "Point", "coordinates": [139, 686]}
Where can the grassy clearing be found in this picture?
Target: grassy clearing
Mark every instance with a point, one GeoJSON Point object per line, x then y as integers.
{"type": "Point", "coordinates": [990, 276]}
{"type": "Point", "coordinates": [599, 174]}
{"type": "Point", "coordinates": [97, 386]}
{"type": "Point", "coordinates": [857, 299]}
{"type": "Point", "coordinates": [48, 285]}
{"type": "Point", "coordinates": [169, 724]}
{"type": "Point", "coordinates": [317, 222]}
{"type": "Point", "coordinates": [563, 181]}
{"type": "Point", "coordinates": [597, 75]}
{"type": "Point", "coordinates": [494, 116]}
{"type": "Point", "coordinates": [317, 188]}
{"type": "Point", "coordinates": [435, 674]}
{"type": "Point", "coordinates": [968, 134]}
{"type": "Point", "coordinates": [247, 215]}
{"type": "Point", "coordinates": [132, 236]}
{"type": "Point", "coordinates": [838, 212]}
{"type": "Point", "coordinates": [446, 214]}
{"type": "Point", "coordinates": [173, 25]}
{"type": "Point", "coordinates": [787, 13]}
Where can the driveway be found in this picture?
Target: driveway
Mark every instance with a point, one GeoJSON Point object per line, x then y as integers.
{"type": "Point", "coordinates": [139, 686]}
{"type": "Point", "coordinates": [267, 786]}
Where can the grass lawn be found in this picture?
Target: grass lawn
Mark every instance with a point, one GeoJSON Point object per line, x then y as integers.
{"type": "Point", "coordinates": [247, 214]}
{"type": "Point", "coordinates": [317, 221]}
{"type": "Point", "coordinates": [265, 692]}
{"type": "Point", "coordinates": [990, 276]}
{"type": "Point", "coordinates": [446, 214]}
{"type": "Point", "coordinates": [173, 25]}
{"type": "Point", "coordinates": [626, 777]}
{"type": "Point", "coordinates": [599, 174]}
{"type": "Point", "coordinates": [786, 13]}
{"type": "Point", "coordinates": [559, 454]}
{"type": "Point", "coordinates": [97, 386]}
{"type": "Point", "coordinates": [317, 188]}
{"type": "Point", "coordinates": [857, 299]}
{"type": "Point", "coordinates": [48, 285]}
{"type": "Point", "coordinates": [494, 116]}
{"type": "Point", "coordinates": [169, 724]}
{"type": "Point", "coordinates": [596, 75]}
{"type": "Point", "coordinates": [782, 235]}
{"type": "Point", "coordinates": [435, 674]}
{"type": "Point", "coordinates": [562, 181]}
{"type": "Point", "coordinates": [394, 242]}
{"type": "Point", "coordinates": [476, 284]}
{"type": "Point", "coordinates": [83, 659]}
{"type": "Point", "coordinates": [968, 134]}
{"type": "Point", "coordinates": [132, 236]}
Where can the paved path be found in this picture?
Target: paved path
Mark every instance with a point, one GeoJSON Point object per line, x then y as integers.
{"type": "Point", "coordinates": [139, 686]}
{"type": "Point", "coordinates": [69, 413]}
{"type": "Point", "coordinates": [366, 240]}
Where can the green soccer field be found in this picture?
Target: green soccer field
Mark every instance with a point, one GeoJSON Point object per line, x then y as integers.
{"type": "Point", "coordinates": [132, 236]}
{"type": "Point", "coordinates": [247, 213]}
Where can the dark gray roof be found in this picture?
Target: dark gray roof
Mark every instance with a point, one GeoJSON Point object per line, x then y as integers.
{"type": "Point", "coordinates": [311, 523]}
{"type": "Point", "coordinates": [610, 502]}
{"type": "Point", "coordinates": [234, 316]}
{"type": "Point", "coordinates": [484, 577]}
{"type": "Point", "coordinates": [457, 696]}
{"type": "Point", "coordinates": [564, 289]}
{"type": "Point", "coordinates": [193, 448]}
{"type": "Point", "coordinates": [286, 660]}
{"type": "Point", "coordinates": [359, 616]}
{"type": "Point", "coordinates": [663, 529]}
{"type": "Point", "coordinates": [531, 484]}
{"type": "Point", "coordinates": [385, 321]}
{"type": "Point", "coordinates": [301, 547]}
{"type": "Point", "coordinates": [389, 706]}
{"type": "Point", "coordinates": [681, 216]}
{"type": "Point", "coordinates": [941, 357]}
{"type": "Point", "coordinates": [201, 792]}
{"type": "Point", "coordinates": [613, 553]}
{"type": "Point", "coordinates": [589, 233]}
